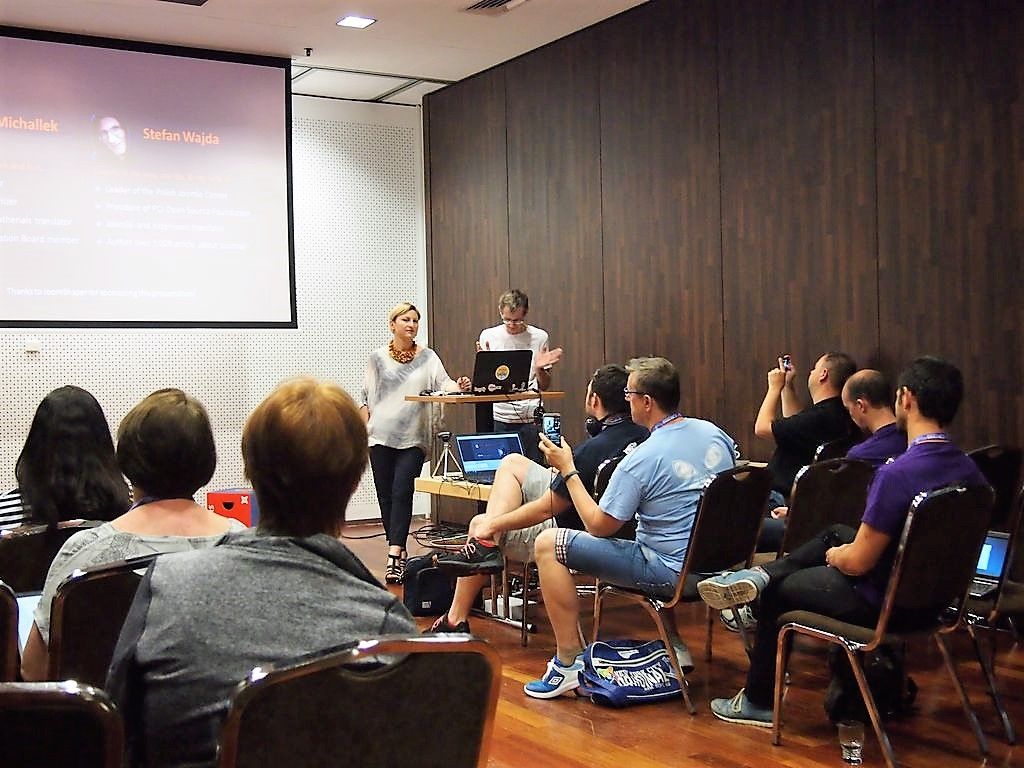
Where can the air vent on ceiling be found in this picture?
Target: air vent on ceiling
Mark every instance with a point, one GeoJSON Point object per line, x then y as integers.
{"type": "Point", "coordinates": [494, 6]}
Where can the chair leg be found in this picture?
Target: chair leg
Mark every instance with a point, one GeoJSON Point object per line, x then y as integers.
{"type": "Point", "coordinates": [988, 670]}
{"type": "Point", "coordinates": [781, 664]}
{"type": "Point", "coordinates": [872, 707]}
{"type": "Point", "coordinates": [710, 628]}
{"type": "Point", "coordinates": [525, 626]}
{"type": "Point", "coordinates": [972, 718]}
{"type": "Point", "coordinates": [598, 601]}
{"type": "Point", "coordinates": [666, 639]}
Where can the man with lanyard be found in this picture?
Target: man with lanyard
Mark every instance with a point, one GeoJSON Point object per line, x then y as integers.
{"type": "Point", "coordinates": [843, 573]}
{"type": "Point", "coordinates": [526, 498]}
{"type": "Point", "coordinates": [659, 483]}
{"type": "Point", "coordinates": [515, 333]}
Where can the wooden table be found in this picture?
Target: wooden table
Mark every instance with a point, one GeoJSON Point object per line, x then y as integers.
{"type": "Point", "coordinates": [483, 403]}
{"type": "Point", "coordinates": [457, 489]}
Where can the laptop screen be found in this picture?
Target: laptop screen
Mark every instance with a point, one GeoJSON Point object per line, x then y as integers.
{"type": "Point", "coordinates": [484, 452]}
{"type": "Point", "coordinates": [993, 555]}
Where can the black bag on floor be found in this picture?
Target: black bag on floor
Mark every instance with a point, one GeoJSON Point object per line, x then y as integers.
{"type": "Point", "coordinates": [428, 591]}
{"type": "Point", "coordinates": [893, 689]}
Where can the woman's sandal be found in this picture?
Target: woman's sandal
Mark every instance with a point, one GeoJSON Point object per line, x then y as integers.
{"type": "Point", "coordinates": [394, 572]}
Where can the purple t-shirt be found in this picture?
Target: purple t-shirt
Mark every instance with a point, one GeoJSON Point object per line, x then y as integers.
{"type": "Point", "coordinates": [926, 466]}
{"type": "Point", "coordinates": [885, 443]}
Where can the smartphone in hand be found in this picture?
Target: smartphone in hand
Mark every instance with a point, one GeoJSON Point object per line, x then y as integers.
{"type": "Point", "coordinates": [551, 425]}
{"type": "Point", "coordinates": [786, 362]}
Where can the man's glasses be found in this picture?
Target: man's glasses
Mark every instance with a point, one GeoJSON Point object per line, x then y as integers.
{"type": "Point", "coordinates": [510, 321]}
{"type": "Point", "coordinates": [630, 392]}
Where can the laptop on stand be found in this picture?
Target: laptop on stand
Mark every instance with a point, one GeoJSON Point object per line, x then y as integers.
{"type": "Point", "coordinates": [990, 565]}
{"type": "Point", "coordinates": [502, 372]}
{"type": "Point", "coordinates": [480, 454]}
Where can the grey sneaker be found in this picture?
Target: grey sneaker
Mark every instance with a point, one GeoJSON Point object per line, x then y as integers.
{"type": "Point", "coordinates": [739, 710]}
{"type": "Point", "coordinates": [733, 588]}
{"type": "Point", "coordinates": [733, 618]}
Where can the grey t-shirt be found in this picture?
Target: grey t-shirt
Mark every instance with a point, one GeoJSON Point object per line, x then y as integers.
{"type": "Point", "coordinates": [106, 544]}
{"type": "Point", "coordinates": [202, 620]}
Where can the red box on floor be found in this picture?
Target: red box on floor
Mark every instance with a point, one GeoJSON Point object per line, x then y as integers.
{"type": "Point", "coordinates": [239, 503]}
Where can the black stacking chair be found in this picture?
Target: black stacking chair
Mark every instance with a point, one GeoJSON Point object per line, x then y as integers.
{"type": "Point", "coordinates": [836, 449]}
{"type": "Point", "coordinates": [59, 724]}
{"type": "Point", "coordinates": [932, 570]}
{"type": "Point", "coordinates": [26, 553]}
{"type": "Point", "coordinates": [10, 655]}
{"type": "Point", "coordinates": [826, 493]}
{"type": "Point", "coordinates": [1001, 466]}
{"type": "Point", "coordinates": [723, 536]}
{"type": "Point", "coordinates": [86, 617]}
{"type": "Point", "coordinates": [340, 707]}
{"type": "Point", "coordinates": [1003, 606]}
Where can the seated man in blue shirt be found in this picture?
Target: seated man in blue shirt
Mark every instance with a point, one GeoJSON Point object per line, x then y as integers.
{"type": "Point", "coordinates": [659, 483]}
{"type": "Point", "coordinates": [842, 573]}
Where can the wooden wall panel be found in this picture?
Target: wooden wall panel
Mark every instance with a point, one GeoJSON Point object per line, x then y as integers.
{"type": "Point", "coordinates": [660, 203]}
{"type": "Point", "coordinates": [951, 200]}
{"type": "Point", "coordinates": [554, 194]}
{"type": "Point", "coordinates": [798, 220]}
{"type": "Point", "coordinates": [468, 224]}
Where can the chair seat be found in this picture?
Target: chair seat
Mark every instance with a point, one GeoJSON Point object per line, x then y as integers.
{"type": "Point", "coordinates": [898, 630]}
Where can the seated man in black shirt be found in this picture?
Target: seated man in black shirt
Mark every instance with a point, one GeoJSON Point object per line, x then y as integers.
{"type": "Point", "coordinates": [800, 430]}
{"type": "Point", "coordinates": [527, 498]}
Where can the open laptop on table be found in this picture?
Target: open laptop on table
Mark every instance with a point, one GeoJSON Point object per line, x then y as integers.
{"type": "Point", "coordinates": [480, 454]}
{"type": "Point", "coordinates": [502, 372]}
{"type": "Point", "coordinates": [990, 565]}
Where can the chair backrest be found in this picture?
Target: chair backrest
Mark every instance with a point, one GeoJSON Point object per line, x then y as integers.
{"type": "Point", "coordinates": [604, 474]}
{"type": "Point", "coordinates": [602, 477]}
{"type": "Point", "coordinates": [339, 708]}
{"type": "Point", "coordinates": [1010, 595]}
{"type": "Point", "coordinates": [1001, 466]}
{"type": "Point", "coordinates": [60, 724]}
{"type": "Point", "coordinates": [936, 556]}
{"type": "Point", "coordinates": [26, 553]}
{"type": "Point", "coordinates": [824, 493]}
{"type": "Point", "coordinates": [727, 522]}
{"type": "Point", "coordinates": [836, 449]}
{"type": "Point", "coordinates": [10, 657]}
{"type": "Point", "coordinates": [88, 611]}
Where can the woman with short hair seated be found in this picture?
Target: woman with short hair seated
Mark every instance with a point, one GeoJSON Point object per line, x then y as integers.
{"type": "Point", "coordinates": [201, 621]}
{"type": "Point", "coordinates": [165, 448]}
{"type": "Point", "coordinates": [66, 471]}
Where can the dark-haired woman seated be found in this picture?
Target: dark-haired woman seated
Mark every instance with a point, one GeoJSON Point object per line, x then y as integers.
{"type": "Point", "coordinates": [66, 469]}
{"type": "Point", "coordinates": [202, 620]}
{"type": "Point", "coordinates": [165, 448]}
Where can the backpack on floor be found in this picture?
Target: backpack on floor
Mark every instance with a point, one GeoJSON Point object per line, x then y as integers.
{"type": "Point", "coordinates": [623, 672]}
{"type": "Point", "coordinates": [893, 689]}
{"type": "Point", "coordinates": [427, 590]}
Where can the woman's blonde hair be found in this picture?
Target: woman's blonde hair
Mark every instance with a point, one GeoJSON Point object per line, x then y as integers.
{"type": "Point", "coordinates": [400, 309]}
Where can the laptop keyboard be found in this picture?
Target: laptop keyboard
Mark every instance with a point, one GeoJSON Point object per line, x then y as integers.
{"type": "Point", "coordinates": [981, 588]}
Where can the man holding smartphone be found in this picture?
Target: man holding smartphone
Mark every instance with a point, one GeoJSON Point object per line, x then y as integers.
{"type": "Point", "coordinates": [527, 498]}
{"type": "Point", "coordinates": [801, 429]}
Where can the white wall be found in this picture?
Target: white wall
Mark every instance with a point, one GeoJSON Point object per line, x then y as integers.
{"type": "Point", "coordinates": [359, 249]}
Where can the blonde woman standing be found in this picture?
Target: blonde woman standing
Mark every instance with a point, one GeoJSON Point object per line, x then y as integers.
{"type": "Point", "coordinates": [399, 431]}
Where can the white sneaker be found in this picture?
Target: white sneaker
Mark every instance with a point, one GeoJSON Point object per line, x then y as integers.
{"type": "Point", "coordinates": [732, 618]}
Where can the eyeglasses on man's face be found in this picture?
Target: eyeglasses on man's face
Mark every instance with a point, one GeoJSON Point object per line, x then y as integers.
{"type": "Point", "coordinates": [630, 392]}
{"type": "Point", "coordinates": [515, 321]}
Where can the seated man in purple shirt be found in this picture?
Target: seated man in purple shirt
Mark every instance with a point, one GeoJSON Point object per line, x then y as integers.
{"type": "Point", "coordinates": [866, 397]}
{"type": "Point", "coordinates": [842, 573]}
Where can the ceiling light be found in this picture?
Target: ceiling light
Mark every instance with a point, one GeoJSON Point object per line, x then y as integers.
{"type": "Point", "coordinates": [356, 22]}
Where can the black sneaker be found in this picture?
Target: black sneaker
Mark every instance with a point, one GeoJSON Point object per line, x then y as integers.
{"type": "Point", "coordinates": [442, 625]}
{"type": "Point", "coordinates": [474, 558]}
